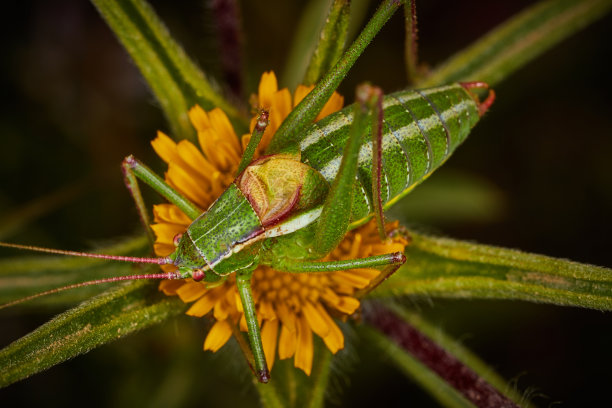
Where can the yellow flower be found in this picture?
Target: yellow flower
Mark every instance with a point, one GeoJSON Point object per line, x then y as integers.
{"type": "Point", "coordinates": [290, 307]}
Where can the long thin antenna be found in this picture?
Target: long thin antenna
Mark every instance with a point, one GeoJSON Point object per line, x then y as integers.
{"type": "Point", "coordinates": [167, 275]}
{"type": "Point", "coordinates": [158, 261]}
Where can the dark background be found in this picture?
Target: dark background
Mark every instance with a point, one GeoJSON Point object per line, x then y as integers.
{"type": "Point", "coordinates": [74, 105]}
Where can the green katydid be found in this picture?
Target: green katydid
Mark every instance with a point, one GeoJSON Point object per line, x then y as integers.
{"type": "Point", "coordinates": [342, 171]}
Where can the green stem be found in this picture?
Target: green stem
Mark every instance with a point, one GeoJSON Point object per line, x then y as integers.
{"type": "Point", "coordinates": [311, 105]}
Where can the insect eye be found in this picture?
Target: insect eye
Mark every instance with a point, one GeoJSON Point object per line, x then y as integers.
{"type": "Point", "coordinates": [197, 275]}
{"type": "Point", "coordinates": [177, 239]}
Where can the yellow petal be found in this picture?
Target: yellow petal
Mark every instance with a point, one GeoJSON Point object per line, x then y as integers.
{"type": "Point", "coordinates": [165, 147]}
{"type": "Point", "coordinates": [334, 104]}
{"type": "Point", "coordinates": [218, 335]}
{"type": "Point", "coordinates": [194, 159]}
{"type": "Point", "coordinates": [191, 291]}
{"type": "Point", "coordinates": [286, 316]}
{"type": "Point", "coordinates": [300, 92]}
{"type": "Point", "coordinates": [164, 250]}
{"type": "Point", "coordinates": [269, 334]}
{"type": "Point", "coordinates": [267, 88]}
{"type": "Point", "coordinates": [317, 323]}
{"type": "Point", "coordinates": [221, 124]}
{"type": "Point", "coordinates": [280, 109]}
{"type": "Point", "coordinates": [222, 310]}
{"type": "Point", "coordinates": [199, 118]}
{"type": "Point", "coordinates": [334, 339]}
{"type": "Point", "coordinates": [266, 310]}
{"type": "Point", "coordinates": [170, 213]}
{"type": "Point", "coordinates": [169, 287]}
{"type": "Point", "coordinates": [205, 303]}
{"type": "Point", "coordinates": [347, 305]}
{"type": "Point", "coordinates": [349, 278]}
{"type": "Point", "coordinates": [165, 232]}
{"type": "Point", "coordinates": [304, 351]}
{"type": "Point", "coordinates": [187, 186]}
{"type": "Point", "coordinates": [287, 343]}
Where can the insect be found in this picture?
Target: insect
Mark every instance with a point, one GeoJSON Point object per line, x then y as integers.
{"type": "Point", "coordinates": [291, 207]}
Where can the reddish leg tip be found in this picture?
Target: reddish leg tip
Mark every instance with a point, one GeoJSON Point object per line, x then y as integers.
{"type": "Point", "coordinates": [483, 106]}
{"type": "Point", "coordinates": [263, 376]}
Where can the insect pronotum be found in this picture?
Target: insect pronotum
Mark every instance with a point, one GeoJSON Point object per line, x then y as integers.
{"type": "Point", "coordinates": [343, 170]}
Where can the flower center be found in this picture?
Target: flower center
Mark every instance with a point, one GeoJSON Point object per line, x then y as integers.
{"type": "Point", "coordinates": [292, 288]}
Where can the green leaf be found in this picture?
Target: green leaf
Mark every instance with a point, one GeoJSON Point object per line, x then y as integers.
{"type": "Point", "coordinates": [450, 268]}
{"type": "Point", "coordinates": [311, 105]}
{"type": "Point", "coordinates": [304, 42]}
{"type": "Point", "coordinates": [112, 315]}
{"type": "Point", "coordinates": [331, 42]}
{"type": "Point", "coordinates": [174, 78]}
{"type": "Point", "coordinates": [516, 42]}
{"type": "Point", "coordinates": [24, 276]}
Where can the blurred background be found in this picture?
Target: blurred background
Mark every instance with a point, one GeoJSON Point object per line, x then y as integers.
{"type": "Point", "coordinates": [536, 175]}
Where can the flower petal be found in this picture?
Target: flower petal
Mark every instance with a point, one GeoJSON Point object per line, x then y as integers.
{"type": "Point", "coordinates": [221, 124]}
{"type": "Point", "coordinates": [199, 118]}
{"type": "Point", "coordinates": [268, 85]}
{"type": "Point", "coordinates": [205, 303]}
{"type": "Point", "coordinates": [304, 350]}
{"type": "Point", "coordinates": [334, 339]}
{"type": "Point", "coordinates": [317, 323]}
{"type": "Point", "coordinates": [287, 343]}
{"type": "Point", "coordinates": [218, 335]}
{"type": "Point", "coordinates": [334, 104]}
{"type": "Point", "coordinates": [191, 291]}
{"type": "Point", "coordinates": [165, 147]}
{"type": "Point", "coordinates": [269, 335]}
{"type": "Point", "coordinates": [169, 287]}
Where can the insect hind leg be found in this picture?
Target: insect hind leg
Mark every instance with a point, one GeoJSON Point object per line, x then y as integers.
{"type": "Point", "coordinates": [483, 106]}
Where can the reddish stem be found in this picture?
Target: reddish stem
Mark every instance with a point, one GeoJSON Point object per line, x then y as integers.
{"type": "Point", "coordinates": [447, 366]}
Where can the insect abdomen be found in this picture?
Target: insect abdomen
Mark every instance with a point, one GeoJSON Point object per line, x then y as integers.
{"type": "Point", "coordinates": [421, 129]}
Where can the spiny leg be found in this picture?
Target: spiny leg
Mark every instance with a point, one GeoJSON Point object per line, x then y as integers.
{"type": "Point", "coordinates": [389, 262]}
{"type": "Point", "coordinates": [131, 183]}
{"type": "Point", "coordinates": [133, 168]}
{"type": "Point", "coordinates": [243, 282]}
{"type": "Point", "coordinates": [258, 131]}
{"type": "Point", "coordinates": [336, 214]}
{"type": "Point", "coordinates": [375, 104]}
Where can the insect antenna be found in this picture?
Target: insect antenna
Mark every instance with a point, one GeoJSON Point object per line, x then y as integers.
{"type": "Point", "coordinates": [158, 261]}
{"type": "Point", "coordinates": [166, 275]}
{"type": "Point", "coordinates": [134, 259]}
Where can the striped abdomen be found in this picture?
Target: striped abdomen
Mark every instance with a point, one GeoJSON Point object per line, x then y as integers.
{"type": "Point", "coordinates": [421, 129]}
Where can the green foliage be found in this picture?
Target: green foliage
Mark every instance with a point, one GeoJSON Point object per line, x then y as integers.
{"type": "Point", "coordinates": [437, 267]}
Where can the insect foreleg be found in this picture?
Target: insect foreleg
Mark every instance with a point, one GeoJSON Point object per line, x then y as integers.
{"type": "Point", "coordinates": [134, 168]}
{"type": "Point", "coordinates": [243, 282]}
{"type": "Point", "coordinates": [336, 214]}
